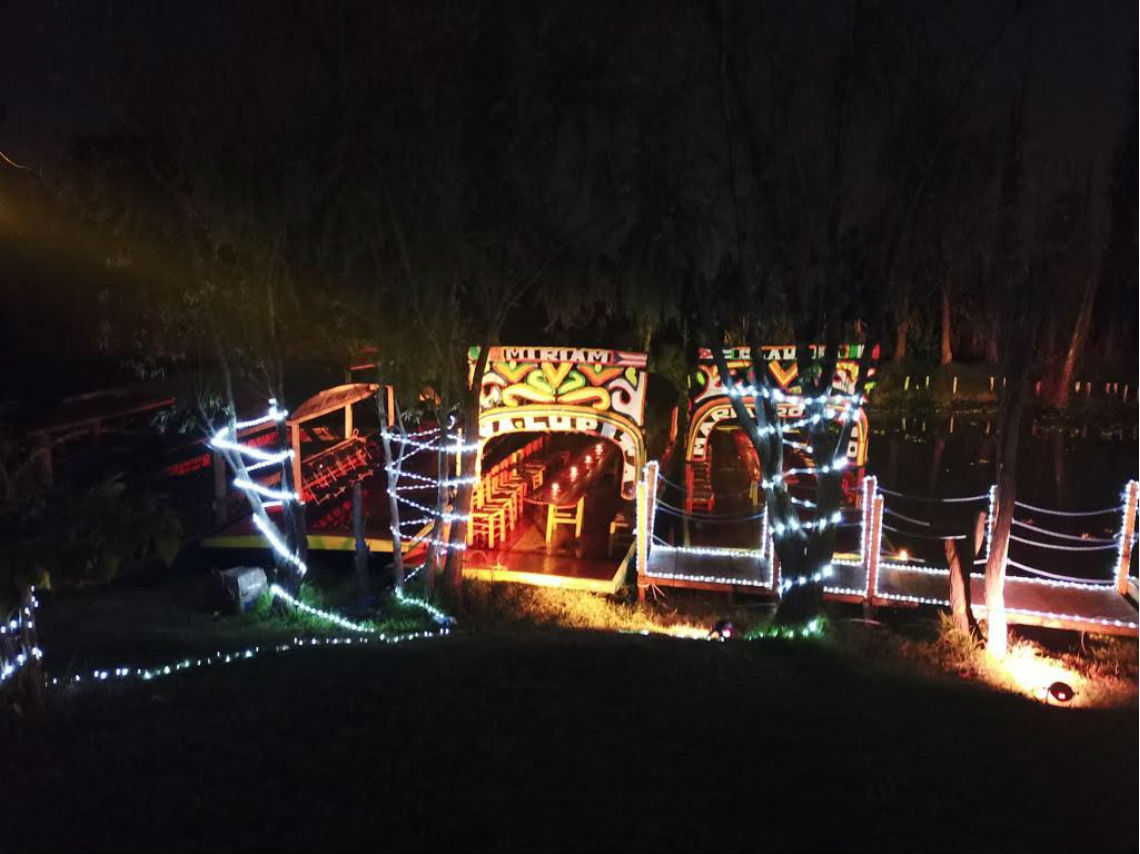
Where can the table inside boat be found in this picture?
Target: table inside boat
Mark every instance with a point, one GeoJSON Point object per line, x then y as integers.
{"type": "Point", "coordinates": [564, 491]}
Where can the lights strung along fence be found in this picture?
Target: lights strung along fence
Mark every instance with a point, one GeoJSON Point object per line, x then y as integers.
{"type": "Point", "coordinates": [872, 576]}
{"type": "Point", "coordinates": [19, 649]}
{"type": "Point", "coordinates": [18, 646]}
{"type": "Point", "coordinates": [830, 406]}
{"type": "Point", "coordinates": [438, 518]}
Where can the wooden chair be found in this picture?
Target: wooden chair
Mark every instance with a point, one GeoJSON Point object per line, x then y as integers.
{"type": "Point", "coordinates": [621, 534]}
{"type": "Point", "coordinates": [534, 476]}
{"type": "Point", "coordinates": [489, 518]}
{"type": "Point", "coordinates": [488, 523]}
{"type": "Point", "coordinates": [488, 492]}
{"type": "Point", "coordinates": [498, 489]}
{"type": "Point", "coordinates": [568, 515]}
{"type": "Point", "coordinates": [700, 492]}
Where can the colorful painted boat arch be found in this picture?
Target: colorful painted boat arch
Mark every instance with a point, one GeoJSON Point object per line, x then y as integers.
{"type": "Point", "coordinates": [570, 390]}
{"type": "Point", "coordinates": [709, 404]}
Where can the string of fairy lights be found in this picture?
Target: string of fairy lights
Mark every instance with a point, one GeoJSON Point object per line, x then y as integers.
{"type": "Point", "coordinates": [227, 439]}
{"type": "Point", "coordinates": [832, 406]}
{"type": "Point", "coordinates": [412, 444]}
{"type": "Point", "coordinates": [868, 540]}
{"type": "Point", "coordinates": [16, 650]}
{"type": "Point", "coordinates": [16, 653]}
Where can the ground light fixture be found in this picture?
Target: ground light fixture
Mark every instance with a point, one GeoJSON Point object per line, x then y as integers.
{"type": "Point", "coordinates": [1062, 692]}
{"type": "Point", "coordinates": [722, 631]}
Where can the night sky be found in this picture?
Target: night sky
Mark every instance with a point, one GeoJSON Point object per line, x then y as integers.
{"type": "Point", "coordinates": [65, 65]}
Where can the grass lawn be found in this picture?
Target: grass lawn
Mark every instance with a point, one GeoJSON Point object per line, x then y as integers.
{"type": "Point", "coordinates": [557, 740]}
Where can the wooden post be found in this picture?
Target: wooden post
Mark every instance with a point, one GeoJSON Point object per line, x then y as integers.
{"type": "Point", "coordinates": [954, 386]}
{"type": "Point", "coordinates": [295, 441]}
{"type": "Point", "coordinates": [1127, 530]}
{"type": "Point", "coordinates": [870, 489]}
{"type": "Point", "coordinates": [348, 421]}
{"type": "Point", "coordinates": [221, 510]}
{"type": "Point", "coordinates": [642, 540]}
{"type": "Point", "coordinates": [874, 546]}
{"type": "Point", "coordinates": [651, 481]}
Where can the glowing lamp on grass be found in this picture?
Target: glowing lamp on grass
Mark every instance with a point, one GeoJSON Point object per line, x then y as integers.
{"type": "Point", "coordinates": [903, 554]}
{"type": "Point", "coordinates": [1062, 692]}
{"type": "Point", "coordinates": [573, 472]}
{"type": "Point", "coordinates": [722, 631]}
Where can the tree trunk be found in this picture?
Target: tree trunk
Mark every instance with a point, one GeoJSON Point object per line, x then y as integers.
{"type": "Point", "coordinates": [440, 535]}
{"type": "Point", "coordinates": [360, 558]}
{"type": "Point", "coordinates": [1009, 430]}
{"type": "Point", "coordinates": [1060, 394]}
{"type": "Point", "coordinates": [468, 463]}
{"type": "Point", "coordinates": [961, 555]}
{"type": "Point", "coordinates": [901, 332]}
{"type": "Point", "coordinates": [947, 354]}
{"type": "Point", "coordinates": [997, 632]}
{"type": "Point", "coordinates": [391, 476]}
{"type": "Point", "coordinates": [800, 604]}
{"type": "Point", "coordinates": [292, 516]}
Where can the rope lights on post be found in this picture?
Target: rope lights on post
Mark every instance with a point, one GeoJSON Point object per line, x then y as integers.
{"type": "Point", "coordinates": [1127, 531]}
{"type": "Point", "coordinates": [874, 539]}
{"type": "Point", "coordinates": [870, 490]}
{"type": "Point", "coordinates": [642, 536]}
{"type": "Point", "coordinates": [651, 486]}
{"type": "Point", "coordinates": [225, 439]}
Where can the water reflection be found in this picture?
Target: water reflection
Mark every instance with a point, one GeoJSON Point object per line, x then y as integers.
{"type": "Point", "coordinates": [953, 455]}
{"type": "Point", "coordinates": [1060, 467]}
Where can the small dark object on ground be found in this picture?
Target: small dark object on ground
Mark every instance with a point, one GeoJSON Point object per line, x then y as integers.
{"type": "Point", "coordinates": [722, 631]}
{"type": "Point", "coordinates": [1061, 692]}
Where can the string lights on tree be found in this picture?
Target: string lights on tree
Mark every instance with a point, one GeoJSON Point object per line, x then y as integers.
{"type": "Point", "coordinates": [226, 439]}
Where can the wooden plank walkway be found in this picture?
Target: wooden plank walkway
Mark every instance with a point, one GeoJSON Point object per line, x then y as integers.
{"type": "Point", "coordinates": [719, 569]}
{"type": "Point", "coordinates": [1028, 601]}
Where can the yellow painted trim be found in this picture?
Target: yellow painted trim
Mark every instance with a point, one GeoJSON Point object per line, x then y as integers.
{"type": "Point", "coordinates": [705, 410]}
{"type": "Point", "coordinates": [616, 419]}
{"type": "Point", "coordinates": [317, 542]}
{"type": "Point", "coordinates": [541, 579]}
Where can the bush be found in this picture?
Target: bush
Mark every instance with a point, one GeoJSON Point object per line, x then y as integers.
{"type": "Point", "coordinates": [66, 537]}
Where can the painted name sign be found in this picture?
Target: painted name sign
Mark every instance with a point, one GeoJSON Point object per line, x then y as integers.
{"type": "Point", "coordinates": [570, 422]}
{"type": "Point", "coordinates": [782, 352]}
{"type": "Point", "coordinates": [579, 355]}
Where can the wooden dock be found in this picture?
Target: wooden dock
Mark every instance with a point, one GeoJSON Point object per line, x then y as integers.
{"type": "Point", "coordinates": [1029, 601]}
